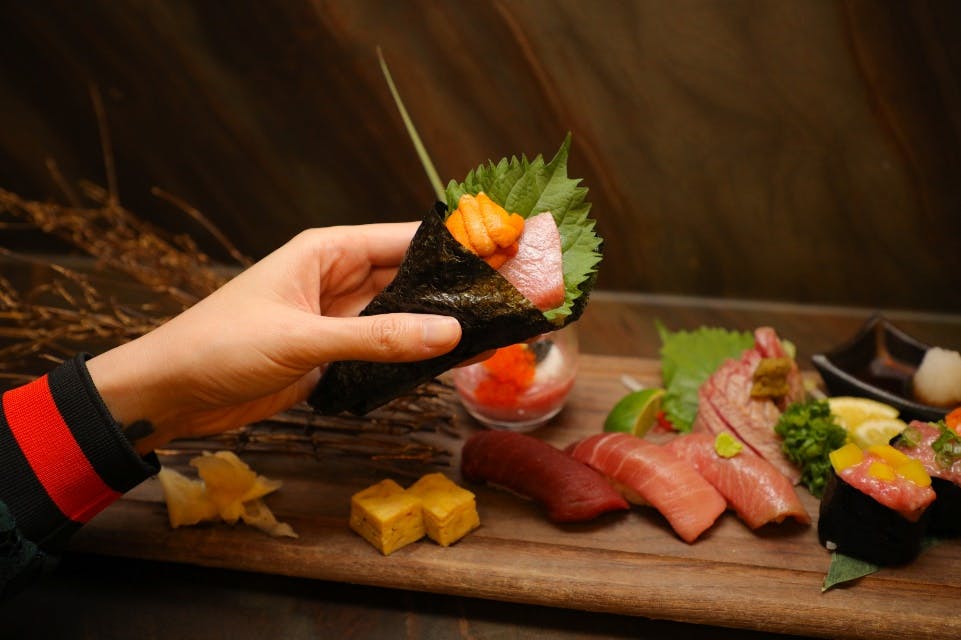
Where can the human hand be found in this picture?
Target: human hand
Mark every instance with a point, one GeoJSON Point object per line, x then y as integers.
{"type": "Point", "coordinates": [257, 345]}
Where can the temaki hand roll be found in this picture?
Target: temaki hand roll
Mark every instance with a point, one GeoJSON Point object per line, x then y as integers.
{"type": "Point", "coordinates": [938, 447]}
{"type": "Point", "coordinates": [875, 505]}
{"type": "Point", "coordinates": [452, 268]}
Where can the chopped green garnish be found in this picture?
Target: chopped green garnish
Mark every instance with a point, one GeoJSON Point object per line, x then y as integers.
{"type": "Point", "coordinates": [810, 433]}
{"type": "Point", "coordinates": [910, 437]}
{"type": "Point", "coordinates": [947, 448]}
{"type": "Point", "coordinates": [688, 358]}
{"type": "Point", "coordinates": [726, 445]}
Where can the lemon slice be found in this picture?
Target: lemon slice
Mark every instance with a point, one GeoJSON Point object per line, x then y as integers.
{"type": "Point", "coordinates": [851, 411]}
{"type": "Point", "coordinates": [876, 431]}
{"type": "Point", "coordinates": [636, 412]}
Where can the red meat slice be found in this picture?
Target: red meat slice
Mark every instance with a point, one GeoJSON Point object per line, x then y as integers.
{"type": "Point", "coordinates": [757, 491]}
{"type": "Point", "coordinates": [725, 403]}
{"type": "Point", "coordinates": [647, 473]}
{"type": "Point", "coordinates": [537, 270]}
{"type": "Point", "coordinates": [570, 490]}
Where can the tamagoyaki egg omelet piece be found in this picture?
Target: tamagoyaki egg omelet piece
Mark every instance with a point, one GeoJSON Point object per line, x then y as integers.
{"type": "Point", "coordinates": [386, 516]}
{"type": "Point", "coordinates": [450, 511]}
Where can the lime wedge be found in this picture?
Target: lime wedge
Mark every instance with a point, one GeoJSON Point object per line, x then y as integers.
{"type": "Point", "coordinates": [635, 413]}
{"type": "Point", "coordinates": [876, 431]}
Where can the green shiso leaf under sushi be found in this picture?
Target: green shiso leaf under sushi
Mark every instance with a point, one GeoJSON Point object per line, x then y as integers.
{"type": "Point", "coordinates": [845, 569]}
{"type": "Point", "coordinates": [688, 358]}
{"type": "Point", "coordinates": [528, 187]}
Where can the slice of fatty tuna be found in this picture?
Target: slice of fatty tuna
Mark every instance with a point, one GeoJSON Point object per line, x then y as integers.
{"type": "Point", "coordinates": [537, 269]}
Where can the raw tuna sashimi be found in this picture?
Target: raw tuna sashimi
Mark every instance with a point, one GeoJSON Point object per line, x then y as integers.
{"type": "Point", "coordinates": [898, 494]}
{"type": "Point", "coordinates": [571, 490]}
{"type": "Point", "coordinates": [757, 492]}
{"type": "Point", "coordinates": [651, 474]}
{"type": "Point", "coordinates": [725, 403]}
{"type": "Point", "coordinates": [537, 269]}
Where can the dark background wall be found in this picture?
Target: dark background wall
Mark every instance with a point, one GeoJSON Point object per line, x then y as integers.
{"type": "Point", "coordinates": [799, 150]}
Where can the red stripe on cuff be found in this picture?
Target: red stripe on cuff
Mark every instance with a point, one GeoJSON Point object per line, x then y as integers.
{"type": "Point", "coordinates": [52, 452]}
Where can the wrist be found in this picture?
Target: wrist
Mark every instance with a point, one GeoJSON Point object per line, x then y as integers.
{"type": "Point", "coordinates": [129, 386]}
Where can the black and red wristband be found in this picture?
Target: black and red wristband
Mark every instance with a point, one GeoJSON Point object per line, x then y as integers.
{"type": "Point", "coordinates": [63, 458]}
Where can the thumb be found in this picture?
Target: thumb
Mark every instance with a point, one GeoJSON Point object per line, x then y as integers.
{"type": "Point", "coordinates": [389, 337]}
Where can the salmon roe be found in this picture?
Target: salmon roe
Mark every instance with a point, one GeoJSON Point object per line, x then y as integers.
{"type": "Point", "coordinates": [510, 372]}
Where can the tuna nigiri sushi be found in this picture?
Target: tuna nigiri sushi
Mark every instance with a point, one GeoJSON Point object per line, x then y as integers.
{"type": "Point", "coordinates": [938, 448]}
{"type": "Point", "coordinates": [570, 490]}
{"type": "Point", "coordinates": [875, 505]}
{"type": "Point", "coordinates": [650, 474]}
{"type": "Point", "coordinates": [752, 486]}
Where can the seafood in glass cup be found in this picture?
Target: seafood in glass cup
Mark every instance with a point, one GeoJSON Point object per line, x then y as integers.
{"type": "Point", "coordinates": [522, 386]}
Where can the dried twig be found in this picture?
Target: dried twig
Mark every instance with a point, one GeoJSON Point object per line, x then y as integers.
{"type": "Point", "coordinates": [389, 433]}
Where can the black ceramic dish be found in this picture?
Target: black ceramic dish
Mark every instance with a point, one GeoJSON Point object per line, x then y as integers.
{"type": "Point", "coordinates": [879, 363]}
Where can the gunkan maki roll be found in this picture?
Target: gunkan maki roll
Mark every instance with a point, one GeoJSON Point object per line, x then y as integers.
{"type": "Point", "coordinates": [938, 448]}
{"type": "Point", "coordinates": [875, 505]}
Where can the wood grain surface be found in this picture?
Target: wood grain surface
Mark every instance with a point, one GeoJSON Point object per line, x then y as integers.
{"type": "Point", "coordinates": [628, 563]}
{"type": "Point", "coordinates": [792, 150]}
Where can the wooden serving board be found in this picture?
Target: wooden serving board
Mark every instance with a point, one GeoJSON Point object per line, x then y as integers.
{"type": "Point", "coordinates": [628, 563]}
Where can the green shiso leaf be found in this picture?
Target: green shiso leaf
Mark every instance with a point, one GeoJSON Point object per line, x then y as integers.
{"type": "Point", "coordinates": [688, 358]}
{"type": "Point", "coordinates": [529, 187]}
{"type": "Point", "coordinates": [844, 569]}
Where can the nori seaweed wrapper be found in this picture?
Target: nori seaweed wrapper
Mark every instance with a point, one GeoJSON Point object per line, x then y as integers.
{"type": "Point", "coordinates": [863, 528]}
{"type": "Point", "coordinates": [439, 276]}
{"type": "Point", "coordinates": [945, 512]}
{"type": "Point", "coordinates": [946, 509]}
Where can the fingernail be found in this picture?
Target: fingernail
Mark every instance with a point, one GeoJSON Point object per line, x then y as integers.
{"type": "Point", "coordinates": [441, 331]}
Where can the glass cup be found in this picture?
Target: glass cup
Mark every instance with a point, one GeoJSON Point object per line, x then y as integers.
{"type": "Point", "coordinates": [522, 386]}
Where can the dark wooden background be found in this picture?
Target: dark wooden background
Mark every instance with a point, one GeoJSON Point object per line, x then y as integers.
{"type": "Point", "coordinates": [801, 150]}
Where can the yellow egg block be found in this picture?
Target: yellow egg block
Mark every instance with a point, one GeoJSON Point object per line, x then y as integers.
{"type": "Point", "coordinates": [386, 516]}
{"type": "Point", "coordinates": [450, 511]}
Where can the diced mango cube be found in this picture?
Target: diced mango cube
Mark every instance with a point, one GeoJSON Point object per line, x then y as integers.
{"type": "Point", "coordinates": [889, 454]}
{"type": "Point", "coordinates": [914, 471]}
{"type": "Point", "coordinates": [386, 516]}
{"type": "Point", "coordinates": [450, 511]}
{"type": "Point", "coordinates": [847, 456]}
{"type": "Point", "coordinates": [881, 471]}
